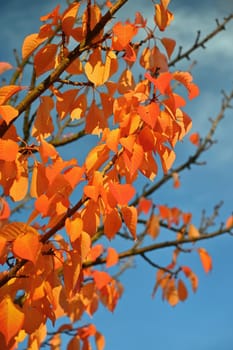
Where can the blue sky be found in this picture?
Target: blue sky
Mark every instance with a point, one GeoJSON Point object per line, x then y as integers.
{"type": "Point", "coordinates": [205, 320]}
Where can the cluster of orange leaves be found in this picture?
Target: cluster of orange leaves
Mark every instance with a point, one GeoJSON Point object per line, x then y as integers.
{"type": "Point", "coordinates": [136, 123]}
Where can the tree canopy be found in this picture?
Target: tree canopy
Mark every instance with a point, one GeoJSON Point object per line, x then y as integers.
{"type": "Point", "coordinates": [90, 123]}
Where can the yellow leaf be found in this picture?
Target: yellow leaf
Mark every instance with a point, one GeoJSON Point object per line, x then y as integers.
{"type": "Point", "coordinates": [11, 318]}
{"type": "Point", "coordinates": [193, 232]}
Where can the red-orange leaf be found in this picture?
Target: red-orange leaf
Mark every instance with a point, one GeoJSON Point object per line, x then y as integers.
{"type": "Point", "coordinates": [123, 34]}
{"type": "Point", "coordinates": [45, 59]}
{"type": "Point", "coordinates": [195, 139]}
{"type": "Point", "coordinates": [130, 218]}
{"type": "Point", "coordinates": [11, 318]}
{"type": "Point", "coordinates": [169, 45]}
{"type": "Point", "coordinates": [27, 245]}
{"type": "Point", "coordinates": [112, 223]}
{"type": "Point", "coordinates": [182, 290]}
{"type": "Point", "coordinates": [191, 276]}
{"type": "Point", "coordinates": [206, 259]}
{"type": "Point", "coordinates": [69, 17]}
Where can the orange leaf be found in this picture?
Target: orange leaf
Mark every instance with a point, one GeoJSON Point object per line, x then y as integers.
{"type": "Point", "coordinates": [45, 59]}
{"type": "Point", "coordinates": [122, 35]}
{"type": "Point", "coordinates": [193, 232]}
{"type": "Point", "coordinates": [130, 218]}
{"type": "Point", "coordinates": [144, 205]}
{"type": "Point", "coordinates": [11, 318]}
{"type": "Point", "coordinates": [74, 228]}
{"type": "Point", "coordinates": [46, 150]}
{"type": "Point", "coordinates": [112, 223]}
{"type": "Point", "coordinates": [185, 78]}
{"type": "Point", "coordinates": [27, 245]}
{"type": "Point", "coordinates": [149, 113]}
{"type": "Point", "coordinates": [229, 222]}
{"type": "Point", "coordinates": [191, 276]}
{"type": "Point", "coordinates": [122, 192]}
{"type": "Point", "coordinates": [8, 113]}
{"type": "Point", "coordinates": [101, 278]}
{"type": "Point", "coordinates": [100, 341]}
{"type": "Point", "coordinates": [8, 150]}
{"type": "Point", "coordinates": [4, 209]}
{"type": "Point", "coordinates": [153, 226]}
{"type": "Point", "coordinates": [7, 91]}
{"type": "Point", "coordinates": [182, 290]}
{"type": "Point", "coordinates": [169, 45]}
{"type": "Point", "coordinates": [163, 17]}
{"type": "Point", "coordinates": [206, 259]}
{"type": "Point", "coordinates": [69, 17]}
{"type": "Point", "coordinates": [43, 124]}
{"type": "Point", "coordinates": [5, 66]}
{"type": "Point", "coordinates": [112, 257]}
{"type": "Point", "coordinates": [195, 139]}
{"type": "Point", "coordinates": [31, 42]}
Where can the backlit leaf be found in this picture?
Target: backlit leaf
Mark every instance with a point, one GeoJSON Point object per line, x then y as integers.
{"type": "Point", "coordinates": [206, 259]}
{"type": "Point", "coordinates": [122, 192]}
{"type": "Point", "coordinates": [101, 278]}
{"type": "Point", "coordinates": [31, 42]}
{"type": "Point", "coordinates": [8, 150]}
{"type": "Point", "coordinates": [69, 17]}
{"type": "Point", "coordinates": [8, 113]}
{"type": "Point", "coordinates": [193, 232]}
{"type": "Point", "coordinates": [112, 257]}
{"type": "Point", "coordinates": [100, 341]}
{"type": "Point", "coordinates": [7, 91]}
{"type": "Point", "coordinates": [229, 222]}
{"type": "Point", "coordinates": [130, 218]}
{"type": "Point", "coordinates": [11, 318]}
{"type": "Point", "coordinates": [112, 223]}
{"type": "Point", "coordinates": [45, 59]}
{"type": "Point", "coordinates": [27, 245]}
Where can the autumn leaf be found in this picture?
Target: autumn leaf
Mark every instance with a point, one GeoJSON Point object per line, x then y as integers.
{"type": "Point", "coordinates": [112, 257]}
{"type": "Point", "coordinates": [8, 113]}
{"type": "Point", "coordinates": [27, 245]}
{"type": "Point", "coordinates": [112, 223]}
{"type": "Point", "coordinates": [163, 16]}
{"type": "Point", "coordinates": [169, 45]}
{"type": "Point", "coordinates": [100, 341]}
{"type": "Point", "coordinates": [229, 222]}
{"type": "Point", "coordinates": [193, 232]}
{"type": "Point", "coordinates": [122, 35]}
{"type": "Point", "coordinates": [194, 138]}
{"type": "Point", "coordinates": [6, 92]}
{"type": "Point", "coordinates": [130, 218]}
{"type": "Point", "coordinates": [191, 276]}
{"type": "Point", "coordinates": [31, 42]}
{"type": "Point", "coordinates": [69, 17]}
{"type": "Point", "coordinates": [4, 66]}
{"type": "Point", "coordinates": [11, 318]}
{"type": "Point", "coordinates": [206, 259]}
{"type": "Point", "coordinates": [101, 278]}
{"type": "Point", "coordinates": [182, 290]}
{"type": "Point", "coordinates": [122, 192]}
